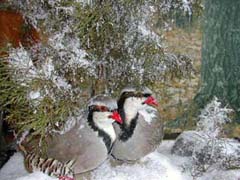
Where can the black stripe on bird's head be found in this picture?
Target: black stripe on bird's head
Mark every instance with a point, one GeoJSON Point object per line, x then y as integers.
{"type": "Point", "coordinates": [134, 91]}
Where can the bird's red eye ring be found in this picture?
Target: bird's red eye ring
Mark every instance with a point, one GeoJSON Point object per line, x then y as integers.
{"type": "Point", "coordinates": [98, 108]}
{"type": "Point", "coordinates": [103, 108]}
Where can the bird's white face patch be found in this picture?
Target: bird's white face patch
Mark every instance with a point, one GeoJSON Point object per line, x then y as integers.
{"type": "Point", "coordinates": [102, 117]}
{"type": "Point", "coordinates": [131, 107]}
{"type": "Point", "coordinates": [103, 122]}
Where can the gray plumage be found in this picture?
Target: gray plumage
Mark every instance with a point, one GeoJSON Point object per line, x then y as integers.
{"type": "Point", "coordinates": [142, 89]}
{"type": "Point", "coordinates": [103, 100]}
{"type": "Point", "coordinates": [143, 133]}
{"type": "Point", "coordinates": [89, 141]}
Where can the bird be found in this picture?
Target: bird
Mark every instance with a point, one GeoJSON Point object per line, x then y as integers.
{"type": "Point", "coordinates": [142, 129]}
{"type": "Point", "coordinates": [90, 141]}
{"type": "Point", "coordinates": [52, 167]}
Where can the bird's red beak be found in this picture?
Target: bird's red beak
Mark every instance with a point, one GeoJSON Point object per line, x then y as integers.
{"type": "Point", "coordinates": [116, 116]}
{"type": "Point", "coordinates": [151, 101]}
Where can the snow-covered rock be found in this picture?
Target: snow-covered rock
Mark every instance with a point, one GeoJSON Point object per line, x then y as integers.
{"type": "Point", "coordinates": [221, 175]}
{"type": "Point", "coordinates": [207, 151]}
{"type": "Point", "coordinates": [190, 141]}
{"type": "Point", "coordinates": [186, 143]}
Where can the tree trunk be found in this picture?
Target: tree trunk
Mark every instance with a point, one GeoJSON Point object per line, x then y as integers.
{"type": "Point", "coordinates": [220, 74]}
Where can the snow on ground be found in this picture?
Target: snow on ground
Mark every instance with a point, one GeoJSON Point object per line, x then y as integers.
{"type": "Point", "coordinates": [36, 176]}
{"type": "Point", "coordinates": [221, 175]}
{"type": "Point", "coordinates": [159, 165]}
{"type": "Point", "coordinates": [14, 170]}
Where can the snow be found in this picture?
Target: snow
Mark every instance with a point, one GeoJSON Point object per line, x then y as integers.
{"type": "Point", "coordinates": [34, 94]}
{"type": "Point", "coordinates": [13, 168]}
{"type": "Point", "coordinates": [36, 176]}
{"type": "Point", "coordinates": [69, 48]}
{"type": "Point", "coordinates": [231, 146]}
{"type": "Point", "coordinates": [187, 6]}
{"type": "Point", "coordinates": [160, 164]}
{"type": "Point", "coordinates": [153, 166]}
{"type": "Point", "coordinates": [213, 117]}
{"type": "Point", "coordinates": [20, 58]}
{"type": "Point", "coordinates": [26, 71]}
{"type": "Point", "coordinates": [221, 175]}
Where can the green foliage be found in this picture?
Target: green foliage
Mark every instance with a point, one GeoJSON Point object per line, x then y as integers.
{"type": "Point", "coordinates": [108, 32]}
{"type": "Point", "coordinates": [12, 96]}
{"type": "Point", "coordinates": [41, 115]}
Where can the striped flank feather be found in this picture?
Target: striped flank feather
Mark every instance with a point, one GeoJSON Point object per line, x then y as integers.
{"type": "Point", "coordinates": [49, 166]}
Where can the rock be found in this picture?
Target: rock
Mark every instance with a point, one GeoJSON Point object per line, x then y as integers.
{"type": "Point", "coordinates": [186, 142]}
{"type": "Point", "coordinates": [206, 151]}
{"type": "Point", "coordinates": [221, 174]}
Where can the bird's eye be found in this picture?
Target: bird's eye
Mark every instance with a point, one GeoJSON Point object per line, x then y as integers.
{"type": "Point", "coordinates": [98, 108]}
{"type": "Point", "coordinates": [103, 108]}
